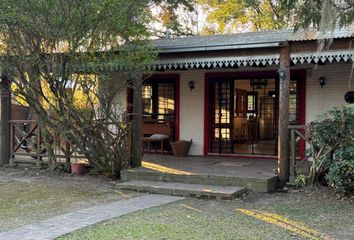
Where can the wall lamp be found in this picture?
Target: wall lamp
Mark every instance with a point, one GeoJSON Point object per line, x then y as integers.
{"type": "Point", "coordinates": [191, 85]}
{"type": "Point", "coordinates": [322, 81]}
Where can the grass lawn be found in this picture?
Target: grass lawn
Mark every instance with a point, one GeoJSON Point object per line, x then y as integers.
{"type": "Point", "coordinates": [26, 197]}
{"type": "Point", "coordinates": [314, 214]}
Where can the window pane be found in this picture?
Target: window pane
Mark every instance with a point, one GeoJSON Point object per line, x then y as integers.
{"type": "Point", "coordinates": [166, 101]}
{"type": "Point", "coordinates": [251, 103]}
{"type": "Point", "coordinates": [147, 99]}
{"type": "Point", "coordinates": [293, 103]}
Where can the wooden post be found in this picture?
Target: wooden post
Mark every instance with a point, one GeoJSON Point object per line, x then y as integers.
{"type": "Point", "coordinates": [137, 124]}
{"type": "Point", "coordinates": [5, 117]}
{"type": "Point", "coordinates": [292, 155]}
{"type": "Point", "coordinates": [283, 138]}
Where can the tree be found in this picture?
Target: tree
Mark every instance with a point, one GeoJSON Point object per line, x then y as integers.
{"type": "Point", "coordinates": [324, 15]}
{"type": "Point", "coordinates": [169, 19]}
{"type": "Point", "coordinates": [54, 49]}
{"type": "Point", "coordinates": [254, 15]}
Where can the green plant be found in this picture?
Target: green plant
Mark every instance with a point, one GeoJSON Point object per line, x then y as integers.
{"type": "Point", "coordinates": [331, 140]}
{"type": "Point", "coordinates": [341, 170]}
{"type": "Point", "coordinates": [301, 180]}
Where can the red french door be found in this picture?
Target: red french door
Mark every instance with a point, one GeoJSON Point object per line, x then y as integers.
{"type": "Point", "coordinates": [242, 112]}
{"type": "Point", "coordinates": [222, 116]}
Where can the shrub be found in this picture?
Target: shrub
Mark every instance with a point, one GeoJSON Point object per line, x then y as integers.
{"type": "Point", "coordinates": [331, 140]}
{"type": "Point", "coordinates": [341, 170]}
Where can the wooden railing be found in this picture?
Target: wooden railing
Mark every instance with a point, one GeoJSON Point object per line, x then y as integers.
{"type": "Point", "coordinates": [297, 138]}
{"type": "Point", "coordinates": [27, 142]}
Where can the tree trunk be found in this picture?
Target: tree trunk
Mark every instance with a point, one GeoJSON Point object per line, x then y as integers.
{"type": "Point", "coordinates": [5, 116]}
{"type": "Point", "coordinates": [283, 138]}
{"type": "Point", "coordinates": [137, 125]}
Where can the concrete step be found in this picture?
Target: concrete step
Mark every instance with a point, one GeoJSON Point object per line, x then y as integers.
{"type": "Point", "coordinates": [184, 189]}
{"type": "Point", "coordinates": [256, 184]}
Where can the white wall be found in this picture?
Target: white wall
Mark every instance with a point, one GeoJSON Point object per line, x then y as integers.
{"type": "Point", "coordinates": [320, 100]}
{"type": "Point", "coordinates": [192, 110]}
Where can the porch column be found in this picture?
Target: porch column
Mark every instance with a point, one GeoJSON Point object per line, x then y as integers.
{"type": "Point", "coordinates": [137, 124]}
{"type": "Point", "coordinates": [283, 137]}
{"type": "Point", "coordinates": [5, 116]}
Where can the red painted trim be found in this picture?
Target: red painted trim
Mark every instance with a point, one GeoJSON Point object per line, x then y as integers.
{"type": "Point", "coordinates": [176, 79]}
{"type": "Point", "coordinates": [177, 108]}
{"type": "Point", "coordinates": [206, 114]}
{"type": "Point", "coordinates": [302, 91]}
{"type": "Point", "coordinates": [129, 104]}
{"type": "Point", "coordinates": [300, 75]}
{"type": "Point", "coordinates": [129, 107]}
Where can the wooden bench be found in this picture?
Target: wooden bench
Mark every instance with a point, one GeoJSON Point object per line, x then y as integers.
{"type": "Point", "coordinates": [156, 128]}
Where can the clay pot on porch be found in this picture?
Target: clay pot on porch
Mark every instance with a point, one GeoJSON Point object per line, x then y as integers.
{"type": "Point", "coordinates": [181, 148]}
{"type": "Point", "coordinates": [78, 168]}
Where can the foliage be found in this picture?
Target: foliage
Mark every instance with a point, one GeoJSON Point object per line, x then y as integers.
{"type": "Point", "coordinates": [331, 139]}
{"type": "Point", "coordinates": [323, 14]}
{"type": "Point", "coordinates": [341, 171]}
{"type": "Point", "coordinates": [301, 180]}
{"type": "Point", "coordinates": [69, 60]}
{"type": "Point", "coordinates": [169, 16]}
{"type": "Point", "coordinates": [255, 14]}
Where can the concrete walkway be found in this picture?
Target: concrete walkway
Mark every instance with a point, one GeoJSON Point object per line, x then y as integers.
{"type": "Point", "coordinates": [63, 224]}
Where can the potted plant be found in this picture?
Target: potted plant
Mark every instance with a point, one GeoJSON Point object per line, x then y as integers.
{"type": "Point", "coordinates": [78, 167]}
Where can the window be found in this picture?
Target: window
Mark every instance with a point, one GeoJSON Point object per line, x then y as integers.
{"type": "Point", "coordinates": [293, 103]}
{"type": "Point", "coordinates": [159, 100]}
{"type": "Point", "coordinates": [166, 100]}
{"type": "Point", "coordinates": [252, 101]}
{"type": "Point", "coordinates": [147, 99]}
{"type": "Point", "coordinates": [240, 102]}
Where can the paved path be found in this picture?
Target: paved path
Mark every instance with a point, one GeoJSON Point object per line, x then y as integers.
{"type": "Point", "coordinates": [63, 224]}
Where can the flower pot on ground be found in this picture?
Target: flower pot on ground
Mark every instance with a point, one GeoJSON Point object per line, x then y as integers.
{"type": "Point", "coordinates": [181, 148]}
{"type": "Point", "coordinates": [78, 168]}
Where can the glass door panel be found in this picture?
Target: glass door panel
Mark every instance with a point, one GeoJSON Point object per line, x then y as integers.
{"type": "Point", "coordinates": [222, 115]}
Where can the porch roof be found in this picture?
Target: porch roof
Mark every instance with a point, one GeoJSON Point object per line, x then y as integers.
{"type": "Point", "coordinates": [261, 39]}
{"type": "Point", "coordinates": [197, 52]}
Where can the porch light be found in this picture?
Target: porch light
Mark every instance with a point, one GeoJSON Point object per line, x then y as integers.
{"type": "Point", "coordinates": [322, 81]}
{"type": "Point", "coordinates": [191, 85]}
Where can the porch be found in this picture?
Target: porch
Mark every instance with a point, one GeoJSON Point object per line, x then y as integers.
{"type": "Point", "coordinates": [252, 174]}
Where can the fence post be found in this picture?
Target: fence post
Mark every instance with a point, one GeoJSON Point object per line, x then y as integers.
{"type": "Point", "coordinates": [293, 156]}
{"type": "Point", "coordinates": [5, 117]}
{"type": "Point", "coordinates": [39, 150]}
{"type": "Point", "coordinates": [12, 137]}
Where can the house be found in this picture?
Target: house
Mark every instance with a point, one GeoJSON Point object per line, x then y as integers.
{"type": "Point", "coordinates": [235, 95]}
{"type": "Point", "coordinates": [225, 91]}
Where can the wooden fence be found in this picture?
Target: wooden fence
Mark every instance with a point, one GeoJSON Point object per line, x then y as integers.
{"type": "Point", "coordinates": [27, 144]}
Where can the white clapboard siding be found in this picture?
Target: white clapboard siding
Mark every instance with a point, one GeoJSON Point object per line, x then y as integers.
{"type": "Point", "coordinates": [320, 100]}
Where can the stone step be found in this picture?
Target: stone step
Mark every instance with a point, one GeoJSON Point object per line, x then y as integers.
{"type": "Point", "coordinates": [256, 184]}
{"type": "Point", "coordinates": [184, 189]}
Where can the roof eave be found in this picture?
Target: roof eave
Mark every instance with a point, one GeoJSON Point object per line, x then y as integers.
{"type": "Point", "coordinates": [179, 49]}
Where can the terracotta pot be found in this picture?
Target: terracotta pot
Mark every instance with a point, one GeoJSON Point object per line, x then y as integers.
{"type": "Point", "coordinates": [77, 168]}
